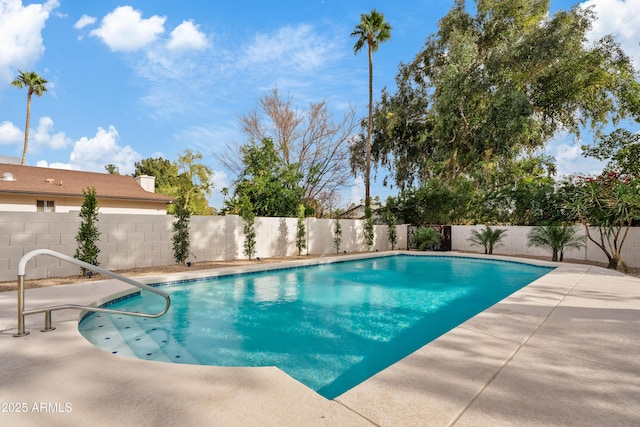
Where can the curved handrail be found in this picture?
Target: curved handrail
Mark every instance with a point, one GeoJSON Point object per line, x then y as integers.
{"type": "Point", "coordinates": [22, 266]}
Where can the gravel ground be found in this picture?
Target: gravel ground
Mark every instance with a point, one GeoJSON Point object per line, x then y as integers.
{"type": "Point", "coordinates": [133, 272]}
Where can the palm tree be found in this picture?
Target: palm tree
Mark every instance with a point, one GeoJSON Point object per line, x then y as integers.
{"type": "Point", "coordinates": [489, 238]}
{"type": "Point", "coordinates": [556, 238]}
{"type": "Point", "coordinates": [371, 30]}
{"type": "Point", "coordinates": [36, 84]}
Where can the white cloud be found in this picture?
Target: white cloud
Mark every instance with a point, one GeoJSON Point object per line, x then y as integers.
{"type": "Point", "coordinates": [297, 48]}
{"type": "Point", "coordinates": [220, 180]}
{"type": "Point", "coordinates": [55, 165]}
{"type": "Point", "coordinates": [620, 18]}
{"type": "Point", "coordinates": [569, 158]}
{"type": "Point", "coordinates": [43, 135]}
{"type": "Point", "coordinates": [125, 30]}
{"type": "Point", "coordinates": [21, 35]}
{"type": "Point", "coordinates": [84, 21]}
{"type": "Point", "coordinates": [92, 154]}
{"type": "Point", "coordinates": [186, 36]}
{"type": "Point", "coordinates": [10, 134]}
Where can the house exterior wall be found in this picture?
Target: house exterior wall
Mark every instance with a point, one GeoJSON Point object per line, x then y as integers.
{"type": "Point", "coordinates": [133, 241]}
{"type": "Point", "coordinates": [24, 203]}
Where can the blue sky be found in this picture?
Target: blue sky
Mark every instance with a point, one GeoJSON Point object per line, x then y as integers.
{"type": "Point", "coordinates": [135, 79]}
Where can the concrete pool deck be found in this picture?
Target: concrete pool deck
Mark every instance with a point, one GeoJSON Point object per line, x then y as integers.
{"type": "Point", "coordinates": [561, 351]}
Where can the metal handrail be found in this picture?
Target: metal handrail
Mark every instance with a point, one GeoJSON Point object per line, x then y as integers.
{"type": "Point", "coordinates": [22, 266]}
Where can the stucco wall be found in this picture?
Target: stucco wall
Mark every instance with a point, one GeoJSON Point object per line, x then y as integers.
{"type": "Point", "coordinates": [131, 241]}
{"type": "Point", "coordinates": [19, 203]}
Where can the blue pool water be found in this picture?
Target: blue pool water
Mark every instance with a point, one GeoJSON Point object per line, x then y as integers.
{"type": "Point", "coordinates": [329, 326]}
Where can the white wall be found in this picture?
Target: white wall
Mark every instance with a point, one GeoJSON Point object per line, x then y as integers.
{"type": "Point", "coordinates": [132, 241]}
{"type": "Point", "coordinates": [515, 243]}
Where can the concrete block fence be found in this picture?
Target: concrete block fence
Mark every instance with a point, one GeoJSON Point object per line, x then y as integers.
{"type": "Point", "coordinates": [133, 241]}
{"type": "Point", "coordinates": [514, 242]}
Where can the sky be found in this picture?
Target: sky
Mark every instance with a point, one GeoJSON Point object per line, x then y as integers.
{"type": "Point", "coordinates": [133, 79]}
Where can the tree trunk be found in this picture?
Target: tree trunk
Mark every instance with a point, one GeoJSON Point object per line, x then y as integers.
{"type": "Point", "coordinates": [367, 178]}
{"type": "Point", "coordinates": [26, 129]}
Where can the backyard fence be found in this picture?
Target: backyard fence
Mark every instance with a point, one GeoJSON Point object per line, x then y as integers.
{"type": "Point", "coordinates": [133, 241]}
{"type": "Point", "coordinates": [515, 240]}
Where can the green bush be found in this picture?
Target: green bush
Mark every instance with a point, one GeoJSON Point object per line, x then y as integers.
{"type": "Point", "coordinates": [88, 233]}
{"type": "Point", "coordinates": [426, 239]}
{"type": "Point", "coordinates": [489, 238]}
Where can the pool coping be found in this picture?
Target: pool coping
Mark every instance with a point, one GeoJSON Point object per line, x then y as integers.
{"type": "Point", "coordinates": [548, 354]}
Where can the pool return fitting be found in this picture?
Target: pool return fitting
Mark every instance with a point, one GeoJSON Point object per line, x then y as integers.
{"type": "Point", "coordinates": [22, 266]}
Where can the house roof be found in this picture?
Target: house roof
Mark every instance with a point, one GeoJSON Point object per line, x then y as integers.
{"type": "Point", "coordinates": [359, 210]}
{"type": "Point", "coordinates": [70, 183]}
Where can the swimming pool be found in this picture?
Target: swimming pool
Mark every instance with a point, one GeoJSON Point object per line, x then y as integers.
{"type": "Point", "coordinates": [330, 326]}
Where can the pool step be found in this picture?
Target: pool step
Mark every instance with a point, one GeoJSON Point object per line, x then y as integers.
{"type": "Point", "coordinates": [113, 333]}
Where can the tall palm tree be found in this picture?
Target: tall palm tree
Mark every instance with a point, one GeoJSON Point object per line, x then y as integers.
{"type": "Point", "coordinates": [556, 238]}
{"type": "Point", "coordinates": [36, 84]}
{"type": "Point", "coordinates": [371, 30]}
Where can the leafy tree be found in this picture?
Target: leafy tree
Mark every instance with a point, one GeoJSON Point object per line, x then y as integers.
{"type": "Point", "coordinates": [301, 242]}
{"type": "Point", "coordinates": [369, 229]}
{"type": "Point", "coordinates": [621, 148]}
{"type": "Point", "coordinates": [249, 218]}
{"type": "Point", "coordinates": [112, 169]}
{"type": "Point", "coordinates": [164, 171]}
{"type": "Point", "coordinates": [556, 238]}
{"type": "Point", "coordinates": [491, 87]}
{"type": "Point", "coordinates": [185, 176]}
{"type": "Point", "coordinates": [489, 238]}
{"type": "Point", "coordinates": [372, 31]}
{"type": "Point", "coordinates": [337, 232]}
{"type": "Point", "coordinates": [195, 182]}
{"type": "Point", "coordinates": [522, 192]}
{"type": "Point", "coordinates": [309, 140]}
{"type": "Point", "coordinates": [432, 203]}
{"type": "Point", "coordinates": [35, 85]}
{"type": "Point", "coordinates": [88, 234]}
{"type": "Point", "coordinates": [180, 239]}
{"type": "Point", "coordinates": [426, 239]}
{"type": "Point", "coordinates": [269, 184]}
{"type": "Point", "coordinates": [610, 203]}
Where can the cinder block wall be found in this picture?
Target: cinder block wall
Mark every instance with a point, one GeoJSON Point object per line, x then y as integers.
{"type": "Point", "coordinates": [515, 243]}
{"type": "Point", "coordinates": [132, 241]}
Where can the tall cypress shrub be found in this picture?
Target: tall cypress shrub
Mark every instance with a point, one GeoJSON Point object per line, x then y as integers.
{"type": "Point", "coordinates": [369, 230]}
{"type": "Point", "coordinates": [88, 234]}
{"type": "Point", "coordinates": [249, 218]}
{"type": "Point", "coordinates": [301, 242]}
{"type": "Point", "coordinates": [181, 242]}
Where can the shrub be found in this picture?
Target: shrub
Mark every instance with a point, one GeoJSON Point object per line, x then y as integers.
{"type": "Point", "coordinates": [301, 242]}
{"type": "Point", "coordinates": [337, 233]}
{"type": "Point", "coordinates": [392, 232]}
{"type": "Point", "coordinates": [488, 238]}
{"type": "Point", "coordinates": [555, 238]}
{"type": "Point", "coordinates": [249, 218]}
{"type": "Point", "coordinates": [180, 237]}
{"type": "Point", "coordinates": [88, 233]}
{"type": "Point", "coordinates": [426, 239]}
{"type": "Point", "coordinates": [369, 229]}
